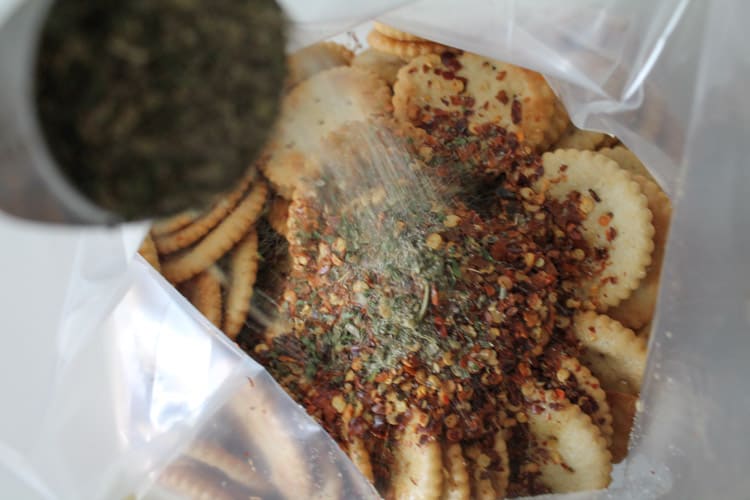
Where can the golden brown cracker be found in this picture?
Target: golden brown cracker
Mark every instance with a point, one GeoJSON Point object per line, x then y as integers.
{"type": "Point", "coordinates": [148, 252]}
{"type": "Point", "coordinates": [417, 469]}
{"type": "Point", "coordinates": [173, 223]}
{"type": "Point", "coordinates": [567, 447]}
{"type": "Point", "coordinates": [637, 310]}
{"type": "Point", "coordinates": [405, 49]}
{"type": "Point", "coordinates": [204, 292]}
{"type": "Point", "coordinates": [233, 467]}
{"type": "Point", "coordinates": [479, 474]}
{"type": "Point", "coordinates": [278, 214]}
{"type": "Point", "coordinates": [455, 473]}
{"type": "Point", "coordinates": [396, 34]}
{"type": "Point", "coordinates": [613, 353]}
{"type": "Point", "coordinates": [310, 112]}
{"type": "Point", "coordinates": [315, 58]}
{"type": "Point", "coordinates": [383, 64]}
{"type": "Point", "coordinates": [187, 235]}
{"type": "Point", "coordinates": [500, 473]}
{"type": "Point", "coordinates": [185, 265]}
{"type": "Point", "coordinates": [243, 270]}
{"type": "Point", "coordinates": [192, 482]}
{"type": "Point", "coordinates": [489, 91]}
{"type": "Point", "coordinates": [576, 138]}
{"type": "Point", "coordinates": [616, 218]}
{"type": "Point", "coordinates": [627, 160]}
{"type": "Point", "coordinates": [623, 407]}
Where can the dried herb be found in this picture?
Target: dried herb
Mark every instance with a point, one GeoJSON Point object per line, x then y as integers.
{"type": "Point", "coordinates": [153, 106]}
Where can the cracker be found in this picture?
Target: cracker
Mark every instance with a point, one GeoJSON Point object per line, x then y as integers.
{"type": "Point", "coordinates": [490, 91]}
{"type": "Point", "coordinates": [190, 233]}
{"type": "Point", "coordinates": [627, 160]}
{"type": "Point", "coordinates": [360, 457]}
{"type": "Point", "coordinates": [569, 449]}
{"type": "Point", "coordinates": [148, 252]}
{"type": "Point", "coordinates": [243, 270]}
{"type": "Point", "coordinates": [481, 483]}
{"type": "Point", "coordinates": [623, 407]}
{"type": "Point", "coordinates": [501, 472]}
{"type": "Point", "coordinates": [585, 382]}
{"type": "Point", "coordinates": [383, 64]}
{"type": "Point", "coordinates": [191, 482]}
{"type": "Point", "coordinates": [185, 265]}
{"type": "Point", "coordinates": [315, 58]}
{"type": "Point", "coordinates": [233, 467]}
{"type": "Point", "coordinates": [620, 222]}
{"type": "Point", "coordinates": [278, 214]}
{"type": "Point", "coordinates": [613, 353]}
{"type": "Point", "coordinates": [262, 425]}
{"type": "Point", "coordinates": [417, 468]}
{"type": "Point", "coordinates": [204, 292]}
{"type": "Point", "coordinates": [315, 108]}
{"type": "Point", "coordinates": [173, 223]}
{"type": "Point", "coordinates": [585, 140]}
{"type": "Point", "coordinates": [455, 474]}
{"type": "Point", "coordinates": [392, 32]}
{"type": "Point", "coordinates": [636, 311]}
{"type": "Point", "coordinates": [405, 49]}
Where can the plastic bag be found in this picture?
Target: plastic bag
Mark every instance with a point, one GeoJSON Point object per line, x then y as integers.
{"type": "Point", "coordinates": [133, 376]}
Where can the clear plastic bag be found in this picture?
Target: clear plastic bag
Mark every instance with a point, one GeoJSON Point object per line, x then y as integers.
{"type": "Point", "coordinates": [134, 379]}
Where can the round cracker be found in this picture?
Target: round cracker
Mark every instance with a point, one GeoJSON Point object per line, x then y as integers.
{"type": "Point", "coordinates": [584, 140]}
{"type": "Point", "coordinates": [204, 292]}
{"type": "Point", "coordinates": [173, 223]}
{"type": "Point", "coordinates": [187, 264]}
{"type": "Point", "coordinates": [614, 354]}
{"type": "Point", "coordinates": [623, 407]}
{"type": "Point", "coordinates": [315, 108]}
{"type": "Point", "coordinates": [238, 470]}
{"type": "Point", "coordinates": [191, 482]}
{"type": "Point", "coordinates": [636, 311]}
{"type": "Point", "coordinates": [243, 270]}
{"type": "Point", "coordinates": [627, 160]}
{"type": "Point", "coordinates": [405, 49]}
{"type": "Point", "coordinates": [417, 471]}
{"type": "Point", "coordinates": [148, 252]}
{"type": "Point", "coordinates": [278, 215]}
{"type": "Point", "coordinates": [501, 473]}
{"type": "Point", "coordinates": [360, 457]}
{"type": "Point", "coordinates": [569, 449]}
{"type": "Point", "coordinates": [384, 65]}
{"type": "Point", "coordinates": [392, 32]}
{"type": "Point", "coordinates": [315, 58]}
{"type": "Point", "coordinates": [620, 222]}
{"type": "Point", "coordinates": [455, 474]}
{"type": "Point", "coordinates": [518, 99]}
{"type": "Point", "coordinates": [189, 234]}
{"type": "Point", "coordinates": [587, 383]}
{"type": "Point", "coordinates": [479, 476]}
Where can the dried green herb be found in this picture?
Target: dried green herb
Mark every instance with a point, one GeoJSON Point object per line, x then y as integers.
{"type": "Point", "coordinates": [153, 106]}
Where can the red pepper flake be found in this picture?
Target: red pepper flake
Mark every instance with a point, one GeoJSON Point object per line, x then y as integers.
{"type": "Point", "coordinates": [502, 96]}
{"type": "Point", "coordinates": [605, 219]}
{"type": "Point", "coordinates": [563, 168]}
{"type": "Point", "coordinates": [449, 75]}
{"type": "Point", "coordinates": [559, 394]}
{"type": "Point", "coordinates": [594, 195]}
{"type": "Point", "coordinates": [515, 112]}
{"type": "Point", "coordinates": [501, 75]}
{"type": "Point", "coordinates": [611, 233]}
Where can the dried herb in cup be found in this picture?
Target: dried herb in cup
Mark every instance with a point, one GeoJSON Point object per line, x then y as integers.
{"type": "Point", "coordinates": [153, 106]}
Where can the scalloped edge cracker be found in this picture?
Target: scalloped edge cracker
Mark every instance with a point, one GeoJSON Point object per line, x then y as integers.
{"type": "Point", "coordinates": [515, 98]}
{"type": "Point", "coordinates": [381, 63]}
{"type": "Point", "coordinates": [637, 311]}
{"type": "Point", "coordinates": [233, 467]}
{"type": "Point", "coordinates": [312, 110]}
{"type": "Point", "coordinates": [569, 449]}
{"type": "Point", "coordinates": [614, 354]}
{"type": "Point", "coordinates": [623, 413]}
{"type": "Point", "coordinates": [184, 266]}
{"type": "Point", "coordinates": [148, 251]}
{"type": "Point", "coordinates": [627, 160]}
{"type": "Point", "coordinates": [405, 49]}
{"type": "Point", "coordinates": [175, 222]}
{"type": "Point", "coordinates": [589, 384]}
{"type": "Point", "coordinates": [417, 471]}
{"type": "Point", "coordinates": [394, 33]}
{"type": "Point", "coordinates": [243, 270]}
{"type": "Point", "coordinates": [455, 473]}
{"type": "Point", "coordinates": [619, 222]}
{"type": "Point", "coordinates": [576, 138]}
{"type": "Point", "coordinates": [278, 215]}
{"type": "Point", "coordinates": [360, 457]}
{"type": "Point", "coordinates": [204, 292]}
{"type": "Point", "coordinates": [481, 484]}
{"type": "Point", "coordinates": [308, 61]}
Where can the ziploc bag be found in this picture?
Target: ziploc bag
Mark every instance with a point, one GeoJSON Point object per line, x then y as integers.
{"type": "Point", "coordinates": [666, 78]}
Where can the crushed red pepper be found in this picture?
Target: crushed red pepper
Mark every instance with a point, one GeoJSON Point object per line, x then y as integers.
{"type": "Point", "coordinates": [446, 308]}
